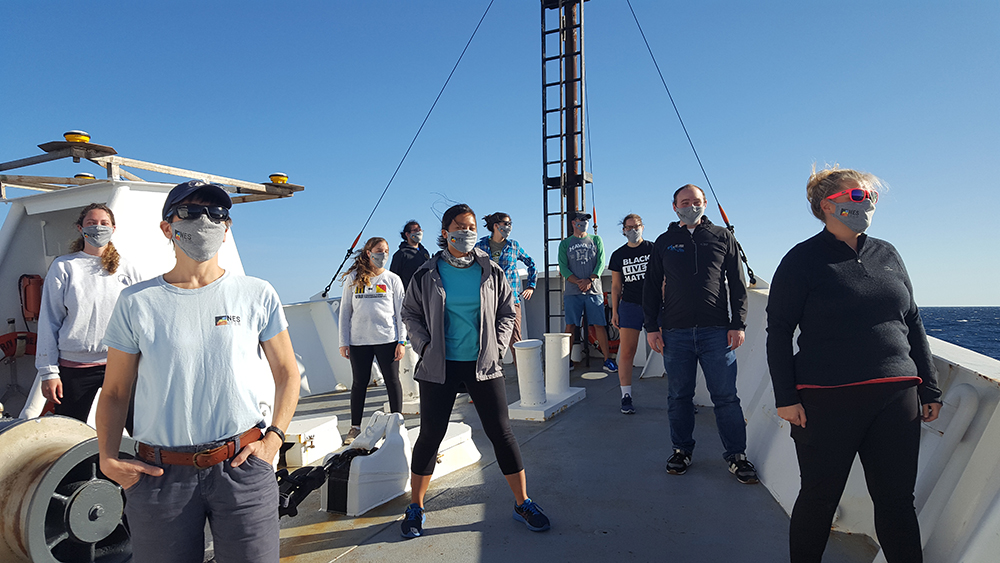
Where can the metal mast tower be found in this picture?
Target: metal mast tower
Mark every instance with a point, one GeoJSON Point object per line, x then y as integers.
{"type": "Point", "coordinates": [564, 173]}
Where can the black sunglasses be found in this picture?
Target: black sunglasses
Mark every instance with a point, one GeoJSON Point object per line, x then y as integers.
{"type": "Point", "coordinates": [193, 211]}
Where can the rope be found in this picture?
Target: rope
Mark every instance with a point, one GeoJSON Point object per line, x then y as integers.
{"type": "Point", "coordinates": [730, 227]}
{"type": "Point", "coordinates": [350, 250]}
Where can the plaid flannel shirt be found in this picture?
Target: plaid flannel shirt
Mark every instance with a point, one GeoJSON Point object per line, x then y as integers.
{"type": "Point", "coordinates": [511, 253]}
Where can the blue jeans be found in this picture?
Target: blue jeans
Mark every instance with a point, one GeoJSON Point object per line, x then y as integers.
{"type": "Point", "coordinates": [684, 348]}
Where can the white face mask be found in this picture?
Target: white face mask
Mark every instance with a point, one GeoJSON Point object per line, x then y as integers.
{"type": "Point", "coordinates": [199, 238]}
{"type": "Point", "coordinates": [463, 240]}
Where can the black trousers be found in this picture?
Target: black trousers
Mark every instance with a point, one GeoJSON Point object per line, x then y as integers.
{"type": "Point", "coordinates": [490, 400]}
{"type": "Point", "coordinates": [880, 423]}
{"type": "Point", "coordinates": [80, 386]}
{"type": "Point", "coordinates": [361, 367]}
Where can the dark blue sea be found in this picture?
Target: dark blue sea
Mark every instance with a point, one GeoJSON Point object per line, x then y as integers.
{"type": "Point", "coordinates": [975, 328]}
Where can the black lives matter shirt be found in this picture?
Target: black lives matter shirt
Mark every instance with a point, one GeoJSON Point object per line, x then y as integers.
{"type": "Point", "coordinates": [631, 263]}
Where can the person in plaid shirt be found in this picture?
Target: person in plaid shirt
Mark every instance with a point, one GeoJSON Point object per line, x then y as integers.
{"type": "Point", "coordinates": [506, 252]}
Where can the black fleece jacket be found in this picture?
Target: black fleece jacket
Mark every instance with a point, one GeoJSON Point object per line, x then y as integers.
{"type": "Point", "coordinates": [406, 260]}
{"type": "Point", "coordinates": [696, 267]}
{"type": "Point", "coordinates": [856, 314]}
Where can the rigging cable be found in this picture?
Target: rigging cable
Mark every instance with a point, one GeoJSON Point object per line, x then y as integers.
{"type": "Point", "coordinates": [586, 117]}
{"type": "Point", "coordinates": [725, 218]}
{"type": "Point", "coordinates": [350, 250]}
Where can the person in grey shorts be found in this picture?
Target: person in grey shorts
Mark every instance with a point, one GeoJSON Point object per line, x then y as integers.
{"type": "Point", "coordinates": [194, 342]}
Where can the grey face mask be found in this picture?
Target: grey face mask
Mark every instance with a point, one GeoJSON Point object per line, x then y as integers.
{"type": "Point", "coordinates": [505, 230]}
{"type": "Point", "coordinates": [634, 236]}
{"type": "Point", "coordinates": [416, 237]}
{"type": "Point", "coordinates": [379, 259]}
{"type": "Point", "coordinates": [463, 241]}
{"type": "Point", "coordinates": [856, 215]}
{"type": "Point", "coordinates": [98, 235]}
{"type": "Point", "coordinates": [199, 238]}
{"type": "Point", "coordinates": [691, 216]}
{"type": "Point", "coordinates": [583, 225]}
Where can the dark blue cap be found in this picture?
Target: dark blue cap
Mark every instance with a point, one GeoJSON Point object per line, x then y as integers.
{"type": "Point", "coordinates": [211, 193]}
{"type": "Point", "coordinates": [580, 216]}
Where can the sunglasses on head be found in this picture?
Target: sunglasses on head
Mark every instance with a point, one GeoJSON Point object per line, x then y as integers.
{"type": "Point", "coordinates": [857, 195]}
{"type": "Point", "coordinates": [193, 211]}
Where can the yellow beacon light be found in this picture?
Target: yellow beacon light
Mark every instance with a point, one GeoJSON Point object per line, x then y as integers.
{"type": "Point", "coordinates": [77, 136]}
{"type": "Point", "coordinates": [279, 178]}
{"type": "Point", "coordinates": [85, 175]}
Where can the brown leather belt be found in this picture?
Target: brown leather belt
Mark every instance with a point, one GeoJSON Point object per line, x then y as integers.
{"type": "Point", "coordinates": [200, 460]}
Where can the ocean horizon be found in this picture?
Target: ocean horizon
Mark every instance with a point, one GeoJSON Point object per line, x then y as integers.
{"type": "Point", "coordinates": [975, 328]}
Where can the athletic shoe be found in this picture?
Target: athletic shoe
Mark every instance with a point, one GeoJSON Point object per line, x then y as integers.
{"type": "Point", "coordinates": [627, 407]}
{"type": "Point", "coordinates": [351, 435]}
{"type": "Point", "coordinates": [610, 366]}
{"type": "Point", "coordinates": [531, 514]}
{"type": "Point", "coordinates": [413, 522]}
{"type": "Point", "coordinates": [742, 469]}
{"type": "Point", "coordinates": [679, 462]}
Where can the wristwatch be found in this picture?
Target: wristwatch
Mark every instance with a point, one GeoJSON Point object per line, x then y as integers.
{"type": "Point", "coordinates": [276, 430]}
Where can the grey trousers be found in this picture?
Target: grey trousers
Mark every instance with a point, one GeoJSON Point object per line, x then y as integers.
{"type": "Point", "coordinates": [167, 514]}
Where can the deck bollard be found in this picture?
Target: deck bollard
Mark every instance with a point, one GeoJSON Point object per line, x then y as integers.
{"type": "Point", "coordinates": [529, 372]}
{"type": "Point", "coordinates": [556, 362]}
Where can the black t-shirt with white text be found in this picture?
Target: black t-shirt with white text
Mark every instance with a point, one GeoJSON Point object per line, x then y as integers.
{"type": "Point", "coordinates": [631, 263]}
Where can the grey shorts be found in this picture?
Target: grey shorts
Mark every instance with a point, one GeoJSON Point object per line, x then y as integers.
{"type": "Point", "coordinates": [167, 514]}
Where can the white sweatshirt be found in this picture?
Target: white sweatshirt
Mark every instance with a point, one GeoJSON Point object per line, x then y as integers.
{"type": "Point", "coordinates": [372, 315]}
{"type": "Point", "coordinates": [77, 300]}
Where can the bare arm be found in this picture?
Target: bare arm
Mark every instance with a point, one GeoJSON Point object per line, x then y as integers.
{"type": "Point", "coordinates": [112, 409]}
{"type": "Point", "coordinates": [616, 295]}
{"type": "Point", "coordinates": [285, 370]}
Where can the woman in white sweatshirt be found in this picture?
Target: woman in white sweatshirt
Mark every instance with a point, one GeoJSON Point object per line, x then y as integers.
{"type": "Point", "coordinates": [78, 297]}
{"type": "Point", "coordinates": [371, 327]}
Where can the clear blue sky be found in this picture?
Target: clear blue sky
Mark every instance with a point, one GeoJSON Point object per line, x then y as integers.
{"type": "Point", "coordinates": [332, 92]}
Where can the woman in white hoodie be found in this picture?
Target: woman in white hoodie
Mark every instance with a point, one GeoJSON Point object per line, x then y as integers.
{"type": "Point", "coordinates": [371, 327]}
{"type": "Point", "coordinates": [78, 297]}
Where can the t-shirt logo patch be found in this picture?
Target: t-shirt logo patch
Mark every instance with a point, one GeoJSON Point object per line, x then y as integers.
{"type": "Point", "coordinates": [224, 320]}
{"type": "Point", "coordinates": [381, 288]}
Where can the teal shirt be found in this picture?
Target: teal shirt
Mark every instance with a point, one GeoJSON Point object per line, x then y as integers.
{"type": "Point", "coordinates": [461, 310]}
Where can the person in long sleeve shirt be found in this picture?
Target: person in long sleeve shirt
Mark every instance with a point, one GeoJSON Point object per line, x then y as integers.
{"type": "Point", "coordinates": [863, 377]}
{"type": "Point", "coordinates": [693, 281]}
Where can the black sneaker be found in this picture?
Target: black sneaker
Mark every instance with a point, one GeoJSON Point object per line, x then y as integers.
{"type": "Point", "coordinates": [531, 514]}
{"type": "Point", "coordinates": [413, 522]}
{"type": "Point", "coordinates": [627, 407]}
{"type": "Point", "coordinates": [679, 462]}
{"type": "Point", "coordinates": [742, 469]}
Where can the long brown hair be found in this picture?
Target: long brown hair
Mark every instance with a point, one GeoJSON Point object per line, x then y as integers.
{"type": "Point", "coordinates": [110, 257]}
{"type": "Point", "coordinates": [363, 264]}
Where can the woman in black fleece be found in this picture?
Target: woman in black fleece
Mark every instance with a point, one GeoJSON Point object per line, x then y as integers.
{"type": "Point", "coordinates": [862, 378]}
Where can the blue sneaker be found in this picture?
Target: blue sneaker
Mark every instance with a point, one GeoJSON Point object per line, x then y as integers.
{"type": "Point", "coordinates": [531, 514]}
{"type": "Point", "coordinates": [610, 366]}
{"type": "Point", "coordinates": [627, 407]}
{"type": "Point", "coordinates": [413, 522]}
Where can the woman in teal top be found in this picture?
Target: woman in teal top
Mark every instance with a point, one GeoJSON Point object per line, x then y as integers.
{"type": "Point", "coordinates": [459, 314]}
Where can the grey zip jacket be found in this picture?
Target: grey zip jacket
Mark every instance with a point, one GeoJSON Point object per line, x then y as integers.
{"type": "Point", "coordinates": [423, 314]}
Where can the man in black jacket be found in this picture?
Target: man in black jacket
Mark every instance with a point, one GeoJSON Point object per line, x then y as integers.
{"type": "Point", "coordinates": [411, 254]}
{"type": "Point", "coordinates": [686, 295]}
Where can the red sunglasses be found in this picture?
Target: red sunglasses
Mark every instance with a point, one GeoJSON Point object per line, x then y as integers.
{"type": "Point", "coordinates": [857, 195]}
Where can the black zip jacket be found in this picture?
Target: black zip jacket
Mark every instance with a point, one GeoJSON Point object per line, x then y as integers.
{"type": "Point", "coordinates": [696, 267]}
{"type": "Point", "coordinates": [406, 260]}
{"type": "Point", "coordinates": [856, 314]}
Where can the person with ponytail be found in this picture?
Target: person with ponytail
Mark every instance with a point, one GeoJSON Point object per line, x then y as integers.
{"type": "Point", "coordinates": [371, 327]}
{"type": "Point", "coordinates": [505, 251]}
{"type": "Point", "coordinates": [459, 311]}
{"type": "Point", "coordinates": [78, 296]}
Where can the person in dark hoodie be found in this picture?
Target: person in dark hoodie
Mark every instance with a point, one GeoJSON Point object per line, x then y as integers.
{"type": "Point", "coordinates": [863, 377]}
{"type": "Point", "coordinates": [411, 253]}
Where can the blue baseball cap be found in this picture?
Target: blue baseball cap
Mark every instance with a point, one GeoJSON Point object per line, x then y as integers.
{"type": "Point", "coordinates": [211, 193]}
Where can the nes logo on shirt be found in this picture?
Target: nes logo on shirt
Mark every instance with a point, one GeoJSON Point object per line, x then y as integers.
{"type": "Point", "coordinates": [224, 320]}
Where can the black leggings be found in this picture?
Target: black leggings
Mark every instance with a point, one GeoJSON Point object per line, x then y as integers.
{"type": "Point", "coordinates": [881, 423]}
{"type": "Point", "coordinates": [361, 366]}
{"type": "Point", "coordinates": [80, 386]}
{"type": "Point", "coordinates": [490, 400]}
